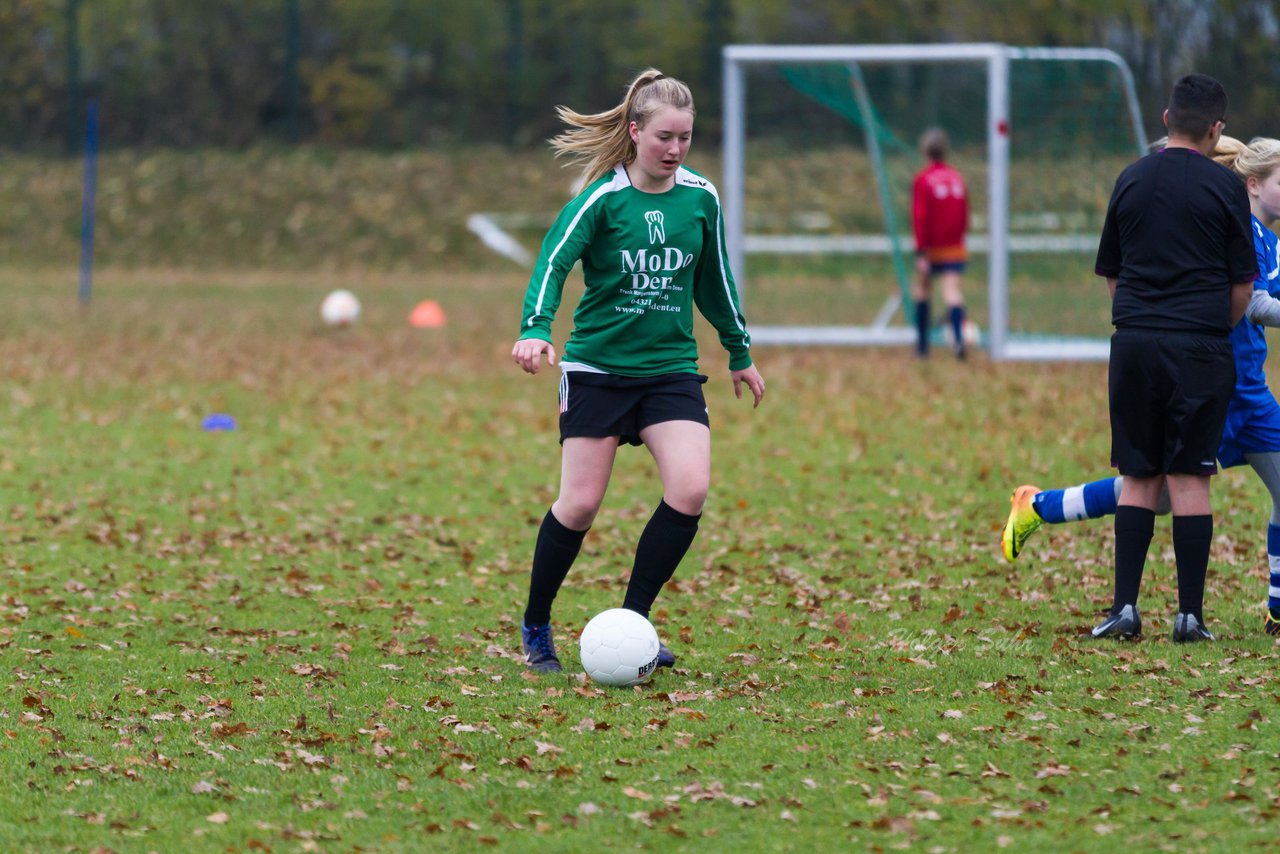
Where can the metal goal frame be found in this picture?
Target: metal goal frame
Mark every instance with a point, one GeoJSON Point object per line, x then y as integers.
{"type": "Point", "coordinates": [997, 58]}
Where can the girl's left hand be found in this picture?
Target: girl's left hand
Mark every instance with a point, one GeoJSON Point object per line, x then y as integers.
{"type": "Point", "coordinates": [754, 381]}
{"type": "Point", "coordinates": [527, 353]}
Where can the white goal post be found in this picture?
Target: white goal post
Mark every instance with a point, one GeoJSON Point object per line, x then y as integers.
{"type": "Point", "coordinates": [997, 59]}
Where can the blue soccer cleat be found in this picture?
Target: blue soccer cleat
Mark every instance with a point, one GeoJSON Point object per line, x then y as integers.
{"type": "Point", "coordinates": [539, 649]}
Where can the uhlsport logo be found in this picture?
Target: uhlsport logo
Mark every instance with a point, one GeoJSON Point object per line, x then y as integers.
{"type": "Point", "coordinates": [657, 234]}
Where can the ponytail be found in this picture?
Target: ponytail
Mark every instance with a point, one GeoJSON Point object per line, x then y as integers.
{"type": "Point", "coordinates": [599, 141]}
{"type": "Point", "coordinates": [1257, 160]}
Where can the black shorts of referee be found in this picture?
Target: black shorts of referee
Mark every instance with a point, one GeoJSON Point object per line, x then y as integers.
{"type": "Point", "coordinates": [597, 405]}
{"type": "Point", "coordinates": [1168, 399]}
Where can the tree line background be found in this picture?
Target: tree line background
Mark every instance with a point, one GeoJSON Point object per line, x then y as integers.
{"type": "Point", "coordinates": [392, 73]}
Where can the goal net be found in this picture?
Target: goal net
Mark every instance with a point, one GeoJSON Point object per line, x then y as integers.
{"type": "Point", "coordinates": [820, 149]}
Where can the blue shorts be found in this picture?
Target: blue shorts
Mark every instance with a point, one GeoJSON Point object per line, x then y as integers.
{"type": "Point", "coordinates": [946, 267]}
{"type": "Point", "coordinates": [1250, 429]}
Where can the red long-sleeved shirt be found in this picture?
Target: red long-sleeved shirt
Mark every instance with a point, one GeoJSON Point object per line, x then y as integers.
{"type": "Point", "coordinates": [940, 213]}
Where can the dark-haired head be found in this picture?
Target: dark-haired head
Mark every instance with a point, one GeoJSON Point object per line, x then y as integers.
{"type": "Point", "coordinates": [1197, 103]}
{"type": "Point", "coordinates": [934, 144]}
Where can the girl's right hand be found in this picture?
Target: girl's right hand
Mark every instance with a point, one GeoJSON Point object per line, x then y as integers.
{"type": "Point", "coordinates": [527, 353]}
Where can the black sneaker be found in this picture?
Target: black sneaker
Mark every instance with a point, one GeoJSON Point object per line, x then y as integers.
{"type": "Point", "coordinates": [1125, 624]}
{"type": "Point", "coordinates": [539, 649]}
{"type": "Point", "coordinates": [1187, 629]}
{"type": "Point", "coordinates": [666, 658]}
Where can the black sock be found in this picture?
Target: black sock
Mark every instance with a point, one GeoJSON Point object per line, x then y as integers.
{"type": "Point", "coordinates": [554, 553]}
{"type": "Point", "coordinates": [1134, 526]}
{"type": "Point", "coordinates": [956, 316]}
{"type": "Point", "coordinates": [922, 327]}
{"type": "Point", "coordinates": [1192, 536]}
{"type": "Point", "coordinates": [662, 546]}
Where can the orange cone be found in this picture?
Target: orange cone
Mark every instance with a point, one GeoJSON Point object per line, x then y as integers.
{"type": "Point", "coordinates": [427, 315]}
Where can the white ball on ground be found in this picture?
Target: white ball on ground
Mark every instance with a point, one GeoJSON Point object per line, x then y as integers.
{"type": "Point", "coordinates": [971, 331]}
{"type": "Point", "coordinates": [340, 308]}
{"type": "Point", "coordinates": [619, 647]}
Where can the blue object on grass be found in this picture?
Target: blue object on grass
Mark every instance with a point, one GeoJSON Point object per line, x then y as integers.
{"type": "Point", "coordinates": [219, 421]}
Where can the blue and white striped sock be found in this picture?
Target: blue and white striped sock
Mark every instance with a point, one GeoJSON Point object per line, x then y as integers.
{"type": "Point", "coordinates": [1273, 560]}
{"type": "Point", "coordinates": [1087, 501]}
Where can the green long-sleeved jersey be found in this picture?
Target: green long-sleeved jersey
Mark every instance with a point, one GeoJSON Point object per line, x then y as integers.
{"type": "Point", "coordinates": [647, 259]}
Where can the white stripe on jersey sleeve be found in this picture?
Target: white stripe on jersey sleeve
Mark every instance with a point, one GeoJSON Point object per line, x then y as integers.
{"type": "Point", "coordinates": [1262, 234]}
{"type": "Point", "coordinates": [619, 182]}
{"type": "Point", "coordinates": [688, 179]}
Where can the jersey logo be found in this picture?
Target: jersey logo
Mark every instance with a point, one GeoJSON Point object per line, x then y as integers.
{"type": "Point", "coordinates": [955, 190]}
{"type": "Point", "coordinates": [657, 234]}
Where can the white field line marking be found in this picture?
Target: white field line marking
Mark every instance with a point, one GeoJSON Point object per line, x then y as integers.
{"type": "Point", "coordinates": [879, 244]}
{"type": "Point", "coordinates": [483, 226]}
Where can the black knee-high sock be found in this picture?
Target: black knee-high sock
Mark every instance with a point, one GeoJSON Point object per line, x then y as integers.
{"type": "Point", "coordinates": [922, 327]}
{"type": "Point", "coordinates": [663, 544]}
{"type": "Point", "coordinates": [1134, 526]}
{"type": "Point", "coordinates": [956, 315]}
{"type": "Point", "coordinates": [1192, 536]}
{"type": "Point", "coordinates": [556, 549]}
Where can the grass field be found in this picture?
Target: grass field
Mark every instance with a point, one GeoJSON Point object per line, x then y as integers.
{"type": "Point", "coordinates": [301, 635]}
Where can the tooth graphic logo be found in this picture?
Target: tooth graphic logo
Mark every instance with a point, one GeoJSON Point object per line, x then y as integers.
{"type": "Point", "coordinates": [657, 234]}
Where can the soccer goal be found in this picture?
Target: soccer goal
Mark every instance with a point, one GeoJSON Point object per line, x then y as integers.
{"type": "Point", "coordinates": [820, 148]}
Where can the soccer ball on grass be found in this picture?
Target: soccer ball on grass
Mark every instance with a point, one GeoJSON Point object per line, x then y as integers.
{"type": "Point", "coordinates": [340, 308]}
{"type": "Point", "coordinates": [970, 331]}
{"type": "Point", "coordinates": [619, 647]}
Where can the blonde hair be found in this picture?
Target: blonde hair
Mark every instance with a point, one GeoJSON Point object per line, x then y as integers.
{"type": "Point", "coordinates": [1226, 151]}
{"type": "Point", "coordinates": [600, 141]}
{"type": "Point", "coordinates": [1257, 160]}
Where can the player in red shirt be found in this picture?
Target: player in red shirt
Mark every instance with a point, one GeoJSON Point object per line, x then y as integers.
{"type": "Point", "coordinates": [940, 217]}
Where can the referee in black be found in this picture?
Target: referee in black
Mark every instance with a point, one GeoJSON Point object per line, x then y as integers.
{"type": "Point", "coordinates": [1177, 253]}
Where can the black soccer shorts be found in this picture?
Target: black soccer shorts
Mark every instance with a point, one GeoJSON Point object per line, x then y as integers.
{"type": "Point", "coordinates": [1168, 399]}
{"type": "Point", "coordinates": [597, 405]}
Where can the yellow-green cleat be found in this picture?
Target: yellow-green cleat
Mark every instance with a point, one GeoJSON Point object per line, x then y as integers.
{"type": "Point", "coordinates": [1271, 622]}
{"type": "Point", "coordinates": [1023, 521]}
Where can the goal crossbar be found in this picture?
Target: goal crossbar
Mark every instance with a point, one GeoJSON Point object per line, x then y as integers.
{"type": "Point", "coordinates": [997, 59]}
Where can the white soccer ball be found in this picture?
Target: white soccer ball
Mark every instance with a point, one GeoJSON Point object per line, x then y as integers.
{"type": "Point", "coordinates": [340, 308]}
{"type": "Point", "coordinates": [971, 331]}
{"type": "Point", "coordinates": [619, 647]}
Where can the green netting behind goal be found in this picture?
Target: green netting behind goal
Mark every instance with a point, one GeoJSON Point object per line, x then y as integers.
{"type": "Point", "coordinates": [830, 152]}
